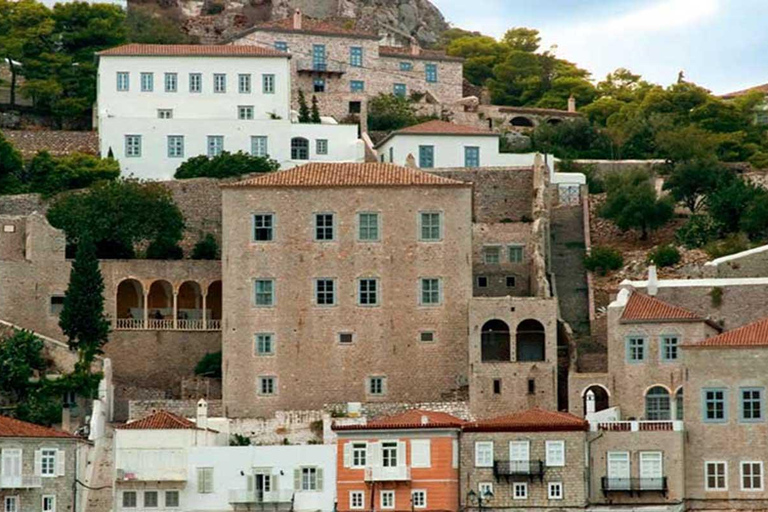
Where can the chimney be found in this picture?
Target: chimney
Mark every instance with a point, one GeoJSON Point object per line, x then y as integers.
{"type": "Point", "coordinates": [424, 419]}
{"type": "Point", "coordinates": [653, 281]}
{"type": "Point", "coordinates": [297, 19]}
{"type": "Point", "coordinates": [202, 414]}
{"type": "Point", "coordinates": [590, 403]}
{"type": "Point", "coordinates": [410, 161]}
{"type": "Point", "coordinates": [572, 104]}
{"type": "Point", "coordinates": [415, 48]}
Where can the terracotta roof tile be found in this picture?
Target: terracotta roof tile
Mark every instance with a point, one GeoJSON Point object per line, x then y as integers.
{"type": "Point", "coordinates": [348, 175]}
{"type": "Point", "coordinates": [402, 52]}
{"type": "Point", "coordinates": [312, 26]}
{"type": "Point", "coordinates": [758, 88]}
{"type": "Point", "coordinates": [750, 335]}
{"type": "Point", "coordinates": [161, 420]}
{"type": "Point", "coordinates": [532, 420]}
{"type": "Point", "coordinates": [438, 127]}
{"type": "Point", "coordinates": [538, 111]}
{"type": "Point", "coordinates": [191, 50]}
{"type": "Point", "coordinates": [11, 427]}
{"type": "Point", "coordinates": [644, 308]}
{"type": "Point", "coordinates": [56, 142]}
{"type": "Point", "coordinates": [413, 419]}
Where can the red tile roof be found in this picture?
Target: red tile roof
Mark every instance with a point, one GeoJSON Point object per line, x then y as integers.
{"type": "Point", "coordinates": [312, 26]}
{"type": "Point", "coordinates": [532, 420]}
{"type": "Point", "coordinates": [538, 111]}
{"type": "Point", "coordinates": [438, 127]}
{"type": "Point", "coordinates": [413, 419]}
{"type": "Point", "coordinates": [644, 308]}
{"type": "Point", "coordinates": [758, 88]}
{"type": "Point", "coordinates": [161, 420]}
{"type": "Point", "coordinates": [750, 335]}
{"type": "Point", "coordinates": [11, 427]}
{"type": "Point", "coordinates": [348, 175]}
{"type": "Point", "coordinates": [191, 50]}
{"type": "Point", "coordinates": [56, 142]}
{"type": "Point", "coordinates": [402, 52]}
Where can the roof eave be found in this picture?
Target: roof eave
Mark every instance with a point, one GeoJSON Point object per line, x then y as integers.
{"type": "Point", "coordinates": [432, 134]}
{"type": "Point", "coordinates": [281, 30]}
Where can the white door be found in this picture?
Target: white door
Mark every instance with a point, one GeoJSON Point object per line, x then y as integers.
{"type": "Point", "coordinates": [11, 467]}
{"type": "Point", "coordinates": [618, 470]}
{"type": "Point", "coordinates": [651, 471]}
{"type": "Point", "coordinates": [519, 456]}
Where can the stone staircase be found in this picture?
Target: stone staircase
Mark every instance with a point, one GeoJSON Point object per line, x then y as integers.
{"type": "Point", "coordinates": [568, 248]}
{"type": "Point", "coordinates": [100, 476]}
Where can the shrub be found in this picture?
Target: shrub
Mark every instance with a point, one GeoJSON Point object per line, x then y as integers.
{"type": "Point", "coordinates": [387, 112]}
{"type": "Point", "coordinates": [731, 244]}
{"type": "Point", "coordinates": [206, 248]}
{"type": "Point", "coordinates": [209, 365]}
{"type": "Point", "coordinates": [239, 440]}
{"type": "Point", "coordinates": [664, 256]}
{"type": "Point", "coordinates": [698, 231]}
{"type": "Point", "coordinates": [164, 250]}
{"type": "Point", "coordinates": [49, 175]}
{"type": "Point", "coordinates": [603, 259]}
{"type": "Point", "coordinates": [632, 202]}
{"type": "Point", "coordinates": [225, 165]}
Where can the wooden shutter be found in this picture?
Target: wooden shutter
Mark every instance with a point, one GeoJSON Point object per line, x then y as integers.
{"type": "Point", "coordinates": [319, 479]}
{"type": "Point", "coordinates": [297, 479]}
{"type": "Point", "coordinates": [401, 453]}
{"type": "Point", "coordinates": [455, 454]}
{"type": "Point", "coordinates": [200, 480]}
{"type": "Point", "coordinates": [374, 452]}
{"type": "Point", "coordinates": [348, 454]}
{"type": "Point", "coordinates": [38, 462]}
{"type": "Point", "coordinates": [61, 462]}
{"type": "Point", "coordinates": [421, 453]}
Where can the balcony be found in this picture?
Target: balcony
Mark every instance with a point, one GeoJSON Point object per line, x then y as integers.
{"type": "Point", "coordinates": [637, 426]}
{"type": "Point", "coordinates": [152, 474]}
{"type": "Point", "coordinates": [21, 482]}
{"type": "Point", "coordinates": [326, 68]}
{"type": "Point", "coordinates": [166, 324]}
{"type": "Point", "coordinates": [634, 486]}
{"type": "Point", "coordinates": [245, 497]}
{"type": "Point", "coordinates": [387, 474]}
{"type": "Point", "coordinates": [516, 469]}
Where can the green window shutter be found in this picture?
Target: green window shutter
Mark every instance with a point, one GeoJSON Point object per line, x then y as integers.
{"type": "Point", "coordinates": [297, 479]}
{"type": "Point", "coordinates": [319, 479]}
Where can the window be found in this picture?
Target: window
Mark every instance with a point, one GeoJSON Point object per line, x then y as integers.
{"type": "Point", "coordinates": [651, 470]}
{"type": "Point", "coordinates": [531, 386]}
{"type": "Point", "coordinates": [400, 90]}
{"type": "Point", "coordinates": [57, 304]}
{"type": "Point", "coordinates": [318, 57]}
{"type": "Point", "coordinates": [715, 410]}
{"type": "Point", "coordinates": [670, 350]}
{"type": "Point", "coordinates": [387, 500]}
{"type": "Point", "coordinates": [171, 82]}
{"type": "Point", "coordinates": [150, 499]}
{"type": "Point", "coordinates": [619, 470]}
{"type": "Point", "coordinates": [555, 490]}
{"type": "Point", "coordinates": [265, 344]}
{"type": "Point", "coordinates": [751, 404]}
{"type": "Point", "coordinates": [345, 338]}
{"type": "Point", "coordinates": [281, 46]}
{"type": "Point", "coordinates": [496, 386]}
{"type": "Point", "coordinates": [147, 82]}
{"type": "Point", "coordinates": [324, 227]}
{"type": "Point", "coordinates": [259, 145]}
{"type": "Point", "coordinates": [657, 404]}
{"type": "Point", "coordinates": [751, 476]}
{"type": "Point", "coordinates": [511, 281]}
{"type": "Point", "coordinates": [426, 157]}
{"type": "Point", "coordinates": [244, 83]}
{"type": "Point", "coordinates": [377, 386]}
{"type": "Point", "coordinates": [555, 453]}
{"type": "Point", "coordinates": [520, 491]}
{"type": "Point", "coordinates": [356, 56]}
{"type": "Point", "coordinates": [406, 66]}
{"type": "Point", "coordinates": [321, 146]}
{"type": "Point", "coordinates": [680, 406]}
{"type": "Point", "coordinates": [492, 255]}
{"type": "Point", "coordinates": [171, 499]}
{"type": "Point", "coordinates": [204, 480]}
{"type": "Point", "coordinates": [133, 146]}
{"type": "Point", "coordinates": [368, 227]}
{"type": "Point", "coordinates": [325, 292]}
{"type": "Point", "coordinates": [165, 113]}
{"type": "Point", "coordinates": [431, 72]}
{"type": "Point", "coordinates": [219, 83]}
{"type": "Point", "coordinates": [48, 462]}
{"type": "Point", "coordinates": [516, 253]}
{"type": "Point", "coordinates": [356, 86]}
{"type": "Point", "coordinates": [123, 81]}
{"type": "Point", "coordinates": [129, 499]}
{"type": "Point", "coordinates": [716, 476]}
{"type": "Point", "coordinates": [421, 453]}
{"type": "Point", "coordinates": [427, 336]}
{"type": "Point", "coordinates": [267, 385]}
{"type": "Point", "coordinates": [263, 227]}
{"type": "Point", "coordinates": [195, 82]}
{"type": "Point", "coordinates": [49, 503]}
{"type": "Point", "coordinates": [472, 156]}
{"type": "Point", "coordinates": [419, 499]}
{"type": "Point", "coordinates": [175, 146]}
{"type": "Point", "coordinates": [311, 479]}
{"type": "Point", "coordinates": [430, 291]}
{"type": "Point", "coordinates": [482, 282]}
{"type": "Point", "coordinates": [431, 226]}
{"type": "Point", "coordinates": [486, 489]}
{"type": "Point", "coordinates": [245, 112]}
{"type": "Point", "coordinates": [357, 500]}
{"type": "Point", "coordinates": [635, 349]}
{"type": "Point", "coordinates": [359, 455]}
{"type": "Point", "coordinates": [299, 148]}
{"type": "Point", "coordinates": [368, 292]}
{"type": "Point", "coordinates": [215, 145]}
{"type": "Point", "coordinates": [483, 454]}
{"type": "Point", "coordinates": [355, 107]}
{"type": "Point", "coordinates": [264, 292]}
{"type": "Point", "coordinates": [268, 84]}
{"type": "Point", "coordinates": [12, 504]}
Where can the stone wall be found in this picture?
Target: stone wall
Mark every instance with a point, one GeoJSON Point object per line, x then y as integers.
{"type": "Point", "coordinates": [750, 263]}
{"type": "Point", "coordinates": [603, 168]}
{"type": "Point", "coordinates": [501, 236]}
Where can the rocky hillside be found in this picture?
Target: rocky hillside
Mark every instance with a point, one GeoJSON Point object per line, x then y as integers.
{"type": "Point", "coordinates": [215, 20]}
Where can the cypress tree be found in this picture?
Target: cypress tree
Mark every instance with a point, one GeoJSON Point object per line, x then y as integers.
{"type": "Point", "coordinates": [304, 114]}
{"type": "Point", "coordinates": [315, 111]}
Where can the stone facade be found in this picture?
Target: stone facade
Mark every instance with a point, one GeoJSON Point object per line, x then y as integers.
{"type": "Point", "coordinates": [750, 263]}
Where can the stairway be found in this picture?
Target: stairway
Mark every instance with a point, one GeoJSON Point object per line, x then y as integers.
{"type": "Point", "coordinates": [101, 476]}
{"type": "Point", "coordinates": [568, 247]}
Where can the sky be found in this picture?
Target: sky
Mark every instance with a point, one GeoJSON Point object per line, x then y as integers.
{"type": "Point", "coordinates": [719, 44]}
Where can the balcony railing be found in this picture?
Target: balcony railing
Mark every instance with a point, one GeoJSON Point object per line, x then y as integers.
{"type": "Point", "coordinates": [153, 474]}
{"type": "Point", "coordinates": [166, 324]}
{"type": "Point", "coordinates": [387, 474]}
{"type": "Point", "coordinates": [242, 496]}
{"type": "Point", "coordinates": [638, 426]}
{"type": "Point", "coordinates": [634, 485]}
{"type": "Point", "coordinates": [510, 469]}
{"type": "Point", "coordinates": [20, 482]}
{"type": "Point", "coordinates": [328, 67]}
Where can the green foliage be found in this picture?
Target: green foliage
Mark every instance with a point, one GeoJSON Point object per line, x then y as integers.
{"type": "Point", "coordinates": [164, 250]}
{"type": "Point", "coordinates": [315, 114]}
{"type": "Point", "coordinates": [118, 215]}
{"type": "Point", "coordinates": [691, 180]}
{"type": "Point", "coordinates": [225, 165]}
{"type": "Point", "coordinates": [206, 248]}
{"type": "Point", "coordinates": [239, 440]}
{"type": "Point", "coordinates": [522, 39]}
{"type": "Point", "coordinates": [698, 231]}
{"type": "Point", "coordinates": [305, 116]}
{"type": "Point", "coordinates": [20, 359]}
{"type": "Point", "coordinates": [716, 296]}
{"type": "Point", "coordinates": [754, 221]}
{"type": "Point", "coordinates": [603, 259]}
{"type": "Point", "coordinates": [49, 175]}
{"type": "Point", "coordinates": [595, 183]}
{"type": "Point", "coordinates": [664, 256]}
{"type": "Point", "coordinates": [730, 199]}
{"type": "Point", "coordinates": [571, 139]}
{"type": "Point", "coordinates": [731, 244]}
{"type": "Point", "coordinates": [11, 165]}
{"type": "Point", "coordinates": [387, 112]}
{"type": "Point", "coordinates": [143, 26]}
{"type": "Point", "coordinates": [209, 365]}
{"type": "Point", "coordinates": [632, 203]}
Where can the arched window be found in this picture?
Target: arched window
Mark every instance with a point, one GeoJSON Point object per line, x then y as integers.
{"type": "Point", "coordinates": [531, 340]}
{"type": "Point", "coordinates": [657, 407]}
{"type": "Point", "coordinates": [601, 398]}
{"type": "Point", "coordinates": [522, 122]}
{"type": "Point", "coordinates": [130, 301]}
{"type": "Point", "coordinates": [679, 404]}
{"type": "Point", "coordinates": [495, 341]}
{"type": "Point", "coordinates": [299, 148]}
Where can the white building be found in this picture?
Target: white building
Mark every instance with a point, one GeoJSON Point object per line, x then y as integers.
{"type": "Point", "coordinates": [159, 105]}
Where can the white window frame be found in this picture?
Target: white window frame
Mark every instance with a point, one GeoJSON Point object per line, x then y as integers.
{"type": "Point", "coordinates": [204, 480]}
{"type": "Point", "coordinates": [258, 341]}
{"type": "Point", "coordinates": [369, 381]}
{"type": "Point", "coordinates": [52, 498]}
{"type": "Point", "coordinates": [171, 82]}
{"type": "Point", "coordinates": [485, 488]}
{"type": "Point", "coordinates": [268, 84]}
{"type": "Point", "coordinates": [741, 475]}
{"type": "Point", "coordinates": [260, 145]}
{"type": "Point", "coordinates": [178, 498]}
{"type": "Point", "coordinates": [214, 145]}
{"type": "Point", "coordinates": [271, 228]}
{"type": "Point", "coordinates": [707, 474]}
{"type": "Point", "coordinates": [147, 82]}
{"type": "Point", "coordinates": [157, 498]}
{"type": "Point", "coordinates": [368, 227]}
{"type": "Point", "coordinates": [175, 150]}
{"type": "Point", "coordinates": [260, 382]}
{"type": "Point", "coordinates": [422, 282]}
{"type": "Point", "coordinates": [353, 496]}
{"type": "Point", "coordinates": [440, 226]}
{"type": "Point", "coordinates": [219, 83]}
{"type": "Point", "coordinates": [311, 482]}
{"type": "Point", "coordinates": [391, 495]}
{"type": "Point", "coordinates": [52, 457]}
{"type": "Point", "coordinates": [315, 227]}
{"type": "Point", "coordinates": [195, 83]}
{"type": "Point", "coordinates": [244, 83]}
{"type": "Point", "coordinates": [429, 332]}
{"type": "Point", "coordinates": [377, 302]}
{"type": "Point", "coordinates": [317, 292]}
{"type": "Point", "coordinates": [482, 459]}
{"type": "Point", "coordinates": [245, 112]}
{"type": "Point", "coordinates": [554, 460]}
{"type": "Point", "coordinates": [123, 81]}
{"type": "Point", "coordinates": [555, 485]}
{"type": "Point", "coordinates": [12, 499]}
{"type": "Point", "coordinates": [423, 501]}
{"type": "Point", "coordinates": [321, 146]}
{"type": "Point", "coordinates": [520, 485]}
{"type": "Point", "coordinates": [133, 145]}
{"type": "Point", "coordinates": [273, 296]}
{"type": "Point", "coordinates": [135, 499]}
{"type": "Point", "coordinates": [355, 448]}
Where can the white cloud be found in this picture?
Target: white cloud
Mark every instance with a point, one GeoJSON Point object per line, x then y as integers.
{"type": "Point", "coordinates": [662, 16]}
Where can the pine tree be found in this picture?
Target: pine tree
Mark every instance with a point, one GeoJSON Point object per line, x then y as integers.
{"type": "Point", "coordinates": [315, 111]}
{"type": "Point", "coordinates": [304, 114]}
{"type": "Point", "coordinates": [82, 319]}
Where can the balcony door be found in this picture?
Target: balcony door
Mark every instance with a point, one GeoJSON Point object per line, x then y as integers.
{"type": "Point", "coordinates": [520, 456]}
{"type": "Point", "coordinates": [11, 465]}
{"type": "Point", "coordinates": [618, 470]}
{"type": "Point", "coordinates": [651, 471]}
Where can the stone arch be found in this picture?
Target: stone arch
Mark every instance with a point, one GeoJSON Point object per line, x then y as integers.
{"type": "Point", "coordinates": [679, 407]}
{"type": "Point", "coordinates": [130, 299]}
{"type": "Point", "coordinates": [160, 300]}
{"type": "Point", "coordinates": [554, 121]}
{"type": "Point", "coordinates": [522, 122]}
{"type": "Point", "coordinates": [602, 397]}
{"type": "Point", "coordinates": [495, 341]}
{"type": "Point", "coordinates": [189, 302]}
{"type": "Point", "coordinates": [299, 148]}
{"type": "Point", "coordinates": [213, 300]}
{"type": "Point", "coordinates": [657, 404]}
{"type": "Point", "coordinates": [531, 340]}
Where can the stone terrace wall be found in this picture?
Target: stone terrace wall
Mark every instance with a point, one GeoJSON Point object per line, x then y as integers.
{"type": "Point", "coordinates": [751, 263]}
